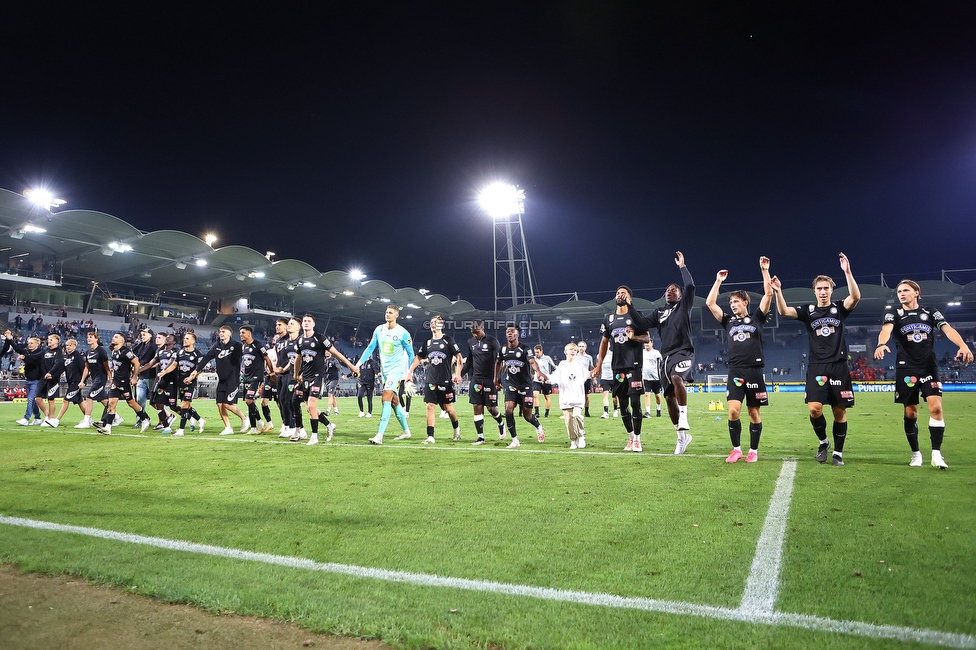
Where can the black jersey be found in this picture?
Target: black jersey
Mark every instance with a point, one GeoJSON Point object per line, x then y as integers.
{"type": "Point", "coordinates": [164, 358]}
{"type": "Point", "coordinates": [286, 351]}
{"type": "Point", "coordinates": [438, 353]}
{"type": "Point", "coordinates": [915, 334]}
{"type": "Point", "coordinates": [186, 362]}
{"type": "Point", "coordinates": [367, 373]}
{"type": "Point", "coordinates": [71, 365]}
{"type": "Point", "coordinates": [517, 366]}
{"type": "Point", "coordinates": [673, 321]}
{"type": "Point", "coordinates": [252, 360]}
{"type": "Point", "coordinates": [825, 328]}
{"type": "Point", "coordinates": [227, 358]}
{"type": "Point", "coordinates": [120, 361]}
{"type": "Point", "coordinates": [96, 358]}
{"type": "Point", "coordinates": [745, 339]}
{"type": "Point", "coordinates": [482, 355]}
{"type": "Point", "coordinates": [312, 349]}
{"type": "Point", "coordinates": [145, 352]}
{"type": "Point", "coordinates": [331, 369]}
{"type": "Point", "coordinates": [627, 353]}
{"type": "Point", "coordinates": [50, 359]}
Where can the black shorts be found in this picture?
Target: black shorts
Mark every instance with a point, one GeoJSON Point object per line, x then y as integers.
{"type": "Point", "coordinates": [910, 383]}
{"type": "Point", "coordinates": [97, 390]}
{"type": "Point", "coordinates": [520, 396]}
{"type": "Point", "coordinates": [627, 383]}
{"type": "Point", "coordinates": [606, 385]}
{"type": "Point", "coordinates": [482, 392]}
{"type": "Point", "coordinates": [48, 388]}
{"type": "Point", "coordinates": [332, 387]}
{"type": "Point", "coordinates": [120, 392]}
{"type": "Point", "coordinates": [652, 386]}
{"type": "Point", "coordinates": [681, 364]}
{"type": "Point", "coordinates": [542, 387]}
{"type": "Point", "coordinates": [228, 391]}
{"type": "Point", "coordinates": [587, 386]}
{"type": "Point", "coordinates": [747, 383]}
{"type": "Point", "coordinates": [311, 387]}
{"type": "Point", "coordinates": [441, 392]}
{"type": "Point", "coordinates": [829, 383]}
{"type": "Point", "coordinates": [251, 388]}
{"type": "Point", "coordinates": [269, 389]}
{"type": "Point", "coordinates": [184, 392]}
{"type": "Point", "coordinates": [73, 395]}
{"type": "Point", "coordinates": [163, 393]}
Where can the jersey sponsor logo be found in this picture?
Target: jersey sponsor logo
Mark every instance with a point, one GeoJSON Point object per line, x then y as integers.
{"type": "Point", "coordinates": [619, 335]}
{"type": "Point", "coordinates": [762, 395]}
{"type": "Point", "coordinates": [636, 384]}
{"type": "Point", "coordinates": [752, 384]}
{"type": "Point", "coordinates": [436, 358]}
{"type": "Point", "coordinates": [836, 382]}
{"type": "Point", "coordinates": [620, 376]}
{"type": "Point", "coordinates": [738, 381]}
{"type": "Point", "coordinates": [825, 326]}
{"type": "Point", "coordinates": [847, 394]}
{"type": "Point", "coordinates": [925, 379]}
{"type": "Point", "coordinates": [387, 347]}
{"type": "Point", "coordinates": [910, 381]}
{"type": "Point", "coordinates": [821, 379]}
{"type": "Point", "coordinates": [683, 365]}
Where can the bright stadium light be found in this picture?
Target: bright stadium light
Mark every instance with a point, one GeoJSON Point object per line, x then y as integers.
{"type": "Point", "coordinates": [119, 247]}
{"type": "Point", "coordinates": [210, 239]}
{"type": "Point", "coordinates": [356, 274]}
{"type": "Point", "coordinates": [201, 262]}
{"type": "Point", "coordinates": [502, 200]}
{"type": "Point", "coordinates": [43, 198]}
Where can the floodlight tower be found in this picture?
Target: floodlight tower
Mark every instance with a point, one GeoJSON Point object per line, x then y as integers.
{"type": "Point", "coordinates": [506, 205]}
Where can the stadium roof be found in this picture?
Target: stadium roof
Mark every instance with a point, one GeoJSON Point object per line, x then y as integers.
{"type": "Point", "coordinates": [88, 246]}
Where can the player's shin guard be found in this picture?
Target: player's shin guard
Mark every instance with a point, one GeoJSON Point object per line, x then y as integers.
{"type": "Point", "coordinates": [636, 419]}
{"type": "Point", "coordinates": [936, 433]}
{"type": "Point", "coordinates": [510, 421]}
{"type": "Point", "coordinates": [755, 433]}
{"type": "Point", "coordinates": [735, 432]}
{"type": "Point", "coordinates": [266, 411]}
{"type": "Point", "coordinates": [911, 432]}
{"type": "Point", "coordinates": [184, 416]}
{"type": "Point", "coordinates": [840, 435]}
{"type": "Point", "coordinates": [820, 427]}
{"type": "Point", "coordinates": [479, 425]}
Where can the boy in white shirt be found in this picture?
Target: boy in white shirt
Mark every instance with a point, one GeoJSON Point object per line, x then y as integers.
{"type": "Point", "coordinates": [570, 376]}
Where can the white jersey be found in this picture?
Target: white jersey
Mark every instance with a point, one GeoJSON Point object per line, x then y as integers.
{"type": "Point", "coordinates": [570, 377]}
{"type": "Point", "coordinates": [652, 365]}
{"type": "Point", "coordinates": [606, 371]}
{"type": "Point", "coordinates": [586, 360]}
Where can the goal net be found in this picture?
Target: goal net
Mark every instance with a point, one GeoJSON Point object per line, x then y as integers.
{"type": "Point", "coordinates": [716, 384]}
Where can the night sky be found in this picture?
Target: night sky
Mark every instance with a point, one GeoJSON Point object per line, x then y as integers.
{"type": "Point", "coordinates": [359, 136]}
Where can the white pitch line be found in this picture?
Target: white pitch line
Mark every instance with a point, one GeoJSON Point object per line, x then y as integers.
{"type": "Point", "coordinates": [762, 585]}
{"type": "Point", "coordinates": [815, 623]}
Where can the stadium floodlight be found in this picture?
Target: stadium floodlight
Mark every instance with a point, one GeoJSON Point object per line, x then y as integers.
{"type": "Point", "coordinates": [201, 262]}
{"type": "Point", "coordinates": [423, 292]}
{"type": "Point", "coordinates": [32, 228]}
{"type": "Point", "coordinates": [43, 198]}
{"type": "Point", "coordinates": [502, 200]}
{"type": "Point", "coordinates": [356, 274]}
{"type": "Point", "coordinates": [413, 306]}
{"type": "Point", "coordinates": [181, 265]}
{"type": "Point", "coordinates": [241, 277]}
{"type": "Point", "coordinates": [310, 285]}
{"type": "Point", "coordinates": [210, 239]}
{"type": "Point", "coordinates": [119, 247]}
{"type": "Point", "coordinates": [270, 255]}
{"type": "Point", "coordinates": [347, 292]}
{"type": "Point", "coordinates": [564, 321]}
{"type": "Point", "coordinates": [256, 274]}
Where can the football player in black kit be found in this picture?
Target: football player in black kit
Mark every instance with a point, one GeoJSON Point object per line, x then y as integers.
{"type": "Point", "coordinates": [746, 359]}
{"type": "Point", "coordinates": [365, 386]}
{"type": "Point", "coordinates": [310, 370]}
{"type": "Point", "coordinates": [123, 363]}
{"type": "Point", "coordinates": [96, 367]}
{"type": "Point", "coordinates": [226, 355]}
{"type": "Point", "coordinates": [182, 368]}
{"type": "Point", "coordinates": [673, 323]}
{"type": "Point", "coordinates": [254, 362]}
{"type": "Point", "coordinates": [828, 378]}
{"type": "Point", "coordinates": [512, 369]}
{"type": "Point", "coordinates": [443, 357]}
{"type": "Point", "coordinates": [626, 331]}
{"type": "Point", "coordinates": [72, 365]}
{"type": "Point", "coordinates": [916, 370]}
{"type": "Point", "coordinates": [162, 393]}
{"type": "Point", "coordinates": [480, 367]}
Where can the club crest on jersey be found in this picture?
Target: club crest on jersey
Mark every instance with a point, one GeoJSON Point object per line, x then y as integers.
{"type": "Point", "coordinates": [738, 381]}
{"type": "Point", "coordinates": [924, 316]}
{"type": "Point", "coordinates": [833, 310]}
{"type": "Point", "coordinates": [746, 320]}
{"type": "Point", "coordinates": [821, 380]}
{"type": "Point", "coordinates": [910, 381]}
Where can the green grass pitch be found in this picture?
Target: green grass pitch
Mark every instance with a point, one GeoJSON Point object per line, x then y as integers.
{"type": "Point", "coordinates": [874, 542]}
